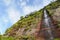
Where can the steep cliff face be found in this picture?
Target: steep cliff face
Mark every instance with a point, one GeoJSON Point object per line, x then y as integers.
{"type": "Point", "coordinates": [28, 26]}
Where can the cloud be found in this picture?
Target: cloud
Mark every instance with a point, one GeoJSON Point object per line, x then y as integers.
{"type": "Point", "coordinates": [7, 2]}
{"type": "Point", "coordinates": [38, 2]}
{"type": "Point", "coordinates": [11, 10]}
{"type": "Point", "coordinates": [23, 3]}
{"type": "Point", "coordinates": [46, 2]}
{"type": "Point", "coordinates": [15, 8]}
{"type": "Point", "coordinates": [20, 0]}
{"type": "Point", "coordinates": [4, 19]}
{"type": "Point", "coordinates": [13, 14]}
{"type": "Point", "coordinates": [29, 9]}
{"type": "Point", "coordinates": [36, 5]}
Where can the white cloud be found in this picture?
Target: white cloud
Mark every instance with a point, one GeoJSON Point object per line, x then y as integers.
{"type": "Point", "coordinates": [38, 4]}
{"type": "Point", "coordinates": [29, 9]}
{"type": "Point", "coordinates": [24, 0]}
{"type": "Point", "coordinates": [13, 14]}
{"type": "Point", "coordinates": [20, 0]}
{"type": "Point", "coordinates": [46, 2]}
{"type": "Point", "coordinates": [27, 0]}
{"type": "Point", "coordinates": [23, 3]}
{"type": "Point", "coordinates": [7, 2]}
{"type": "Point", "coordinates": [4, 20]}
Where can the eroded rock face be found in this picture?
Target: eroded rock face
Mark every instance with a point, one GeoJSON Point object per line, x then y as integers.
{"type": "Point", "coordinates": [56, 17]}
{"type": "Point", "coordinates": [36, 31]}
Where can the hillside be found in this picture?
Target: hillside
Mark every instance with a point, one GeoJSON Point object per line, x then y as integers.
{"type": "Point", "coordinates": [26, 27]}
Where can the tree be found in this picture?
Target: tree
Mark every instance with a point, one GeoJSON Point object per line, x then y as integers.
{"type": "Point", "coordinates": [21, 17]}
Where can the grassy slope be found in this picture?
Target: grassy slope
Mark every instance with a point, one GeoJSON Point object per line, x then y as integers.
{"type": "Point", "coordinates": [31, 19]}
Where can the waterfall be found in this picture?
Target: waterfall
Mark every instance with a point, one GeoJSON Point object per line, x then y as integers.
{"type": "Point", "coordinates": [48, 25]}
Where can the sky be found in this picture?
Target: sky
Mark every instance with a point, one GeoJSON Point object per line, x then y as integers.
{"type": "Point", "coordinates": [12, 10]}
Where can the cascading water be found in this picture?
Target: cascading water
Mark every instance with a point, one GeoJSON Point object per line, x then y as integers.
{"type": "Point", "coordinates": [48, 25]}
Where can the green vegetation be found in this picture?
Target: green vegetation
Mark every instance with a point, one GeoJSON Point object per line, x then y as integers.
{"type": "Point", "coordinates": [6, 38]}
{"type": "Point", "coordinates": [57, 39]}
{"type": "Point", "coordinates": [28, 23]}
{"type": "Point", "coordinates": [33, 18]}
{"type": "Point", "coordinates": [20, 38]}
{"type": "Point", "coordinates": [29, 37]}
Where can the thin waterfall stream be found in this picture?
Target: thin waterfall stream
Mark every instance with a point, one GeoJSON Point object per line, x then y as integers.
{"type": "Point", "coordinates": [48, 25]}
